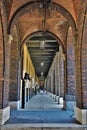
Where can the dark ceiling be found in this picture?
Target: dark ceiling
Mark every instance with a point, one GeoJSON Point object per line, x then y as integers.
{"type": "Point", "coordinates": [42, 53]}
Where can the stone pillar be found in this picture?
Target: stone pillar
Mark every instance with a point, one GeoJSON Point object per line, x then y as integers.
{"type": "Point", "coordinates": [14, 88]}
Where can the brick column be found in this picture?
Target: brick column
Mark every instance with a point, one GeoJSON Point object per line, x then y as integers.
{"type": "Point", "coordinates": [51, 81]}
{"type": "Point", "coordinates": [59, 83]}
{"type": "Point", "coordinates": [65, 79]}
{"type": "Point", "coordinates": [60, 75]}
{"type": "Point", "coordinates": [56, 75]}
{"type": "Point", "coordinates": [14, 90]}
{"type": "Point", "coordinates": [61, 72]}
{"type": "Point", "coordinates": [71, 84]}
{"type": "Point", "coordinates": [81, 78]}
{"type": "Point", "coordinates": [47, 87]}
{"type": "Point", "coordinates": [4, 71]}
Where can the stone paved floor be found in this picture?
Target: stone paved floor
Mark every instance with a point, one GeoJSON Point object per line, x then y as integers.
{"type": "Point", "coordinates": [42, 109]}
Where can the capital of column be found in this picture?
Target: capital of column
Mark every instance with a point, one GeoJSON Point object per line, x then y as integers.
{"type": "Point", "coordinates": [10, 38]}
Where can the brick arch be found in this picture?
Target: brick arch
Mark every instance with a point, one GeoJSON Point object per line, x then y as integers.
{"type": "Point", "coordinates": [51, 33]}
{"type": "Point", "coordinates": [53, 5]}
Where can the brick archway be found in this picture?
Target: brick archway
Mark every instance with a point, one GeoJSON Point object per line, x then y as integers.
{"type": "Point", "coordinates": [20, 11]}
{"type": "Point", "coordinates": [59, 61]}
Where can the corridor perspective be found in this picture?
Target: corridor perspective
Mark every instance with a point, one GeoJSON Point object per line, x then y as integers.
{"type": "Point", "coordinates": [43, 64]}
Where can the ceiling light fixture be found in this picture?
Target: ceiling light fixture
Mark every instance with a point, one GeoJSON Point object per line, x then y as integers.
{"type": "Point", "coordinates": [42, 64]}
{"type": "Point", "coordinates": [41, 73]}
{"type": "Point", "coordinates": [42, 43]}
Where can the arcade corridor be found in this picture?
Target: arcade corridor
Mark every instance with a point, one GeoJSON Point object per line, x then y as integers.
{"type": "Point", "coordinates": [43, 47]}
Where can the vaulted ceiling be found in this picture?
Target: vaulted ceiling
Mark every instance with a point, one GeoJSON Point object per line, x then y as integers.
{"type": "Point", "coordinates": [53, 16]}
{"type": "Point", "coordinates": [30, 15]}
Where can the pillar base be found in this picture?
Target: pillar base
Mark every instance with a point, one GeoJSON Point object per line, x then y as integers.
{"type": "Point", "coordinates": [81, 115]}
{"type": "Point", "coordinates": [15, 104]}
{"type": "Point", "coordinates": [4, 115]}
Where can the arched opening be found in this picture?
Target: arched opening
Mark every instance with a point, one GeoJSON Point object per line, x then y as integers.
{"type": "Point", "coordinates": [43, 58]}
{"type": "Point", "coordinates": [32, 77]}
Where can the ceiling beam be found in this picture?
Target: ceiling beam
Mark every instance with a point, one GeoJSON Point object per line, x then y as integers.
{"type": "Point", "coordinates": [32, 41]}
